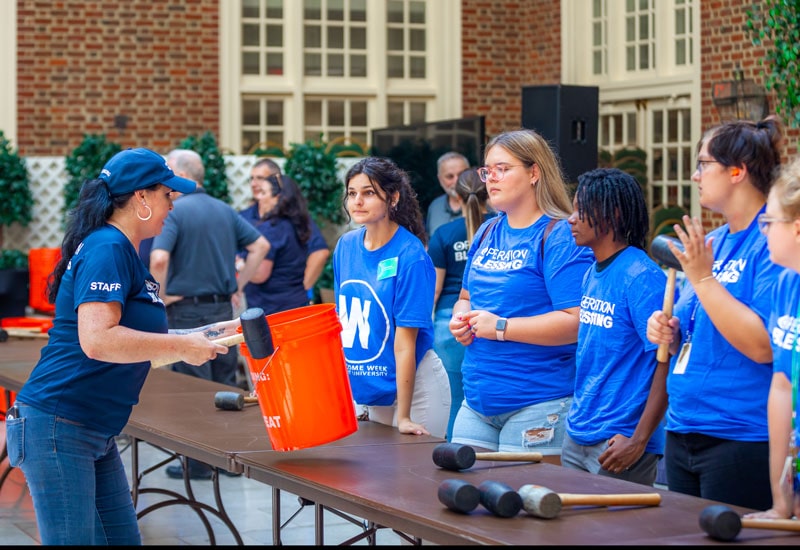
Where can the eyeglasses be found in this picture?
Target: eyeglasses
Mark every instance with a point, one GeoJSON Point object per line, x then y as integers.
{"type": "Point", "coordinates": [765, 221]}
{"type": "Point", "coordinates": [701, 164]}
{"type": "Point", "coordinates": [497, 172]}
{"type": "Point", "coordinates": [259, 178]}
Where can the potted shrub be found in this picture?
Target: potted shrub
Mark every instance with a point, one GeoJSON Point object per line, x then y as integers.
{"type": "Point", "coordinates": [16, 206]}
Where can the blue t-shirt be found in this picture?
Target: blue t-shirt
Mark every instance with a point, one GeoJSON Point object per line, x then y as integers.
{"type": "Point", "coordinates": [784, 323]}
{"type": "Point", "coordinates": [67, 383]}
{"type": "Point", "coordinates": [284, 289]}
{"type": "Point", "coordinates": [506, 275]}
{"type": "Point", "coordinates": [315, 242]}
{"type": "Point", "coordinates": [615, 361]}
{"type": "Point", "coordinates": [377, 291]}
{"type": "Point", "coordinates": [722, 393]}
{"type": "Point", "coordinates": [448, 249]}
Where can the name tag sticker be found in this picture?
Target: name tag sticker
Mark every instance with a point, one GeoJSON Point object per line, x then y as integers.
{"type": "Point", "coordinates": [387, 268]}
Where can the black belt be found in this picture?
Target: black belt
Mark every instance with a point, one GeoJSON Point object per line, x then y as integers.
{"type": "Point", "coordinates": [205, 299]}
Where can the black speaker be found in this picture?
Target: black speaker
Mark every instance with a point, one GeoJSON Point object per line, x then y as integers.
{"type": "Point", "coordinates": [567, 116]}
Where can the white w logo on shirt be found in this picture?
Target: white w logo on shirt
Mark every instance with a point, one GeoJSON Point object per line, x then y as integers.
{"type": "Point", "coordinates": [354, 320]}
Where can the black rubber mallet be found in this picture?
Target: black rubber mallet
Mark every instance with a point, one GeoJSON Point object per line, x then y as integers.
{"type": "Point", "coordinates": [232, 401]}
{"type": "Point", "coordinates": [500, 499]}
{"type": "Point", "coordinates": [255, 334]}
{"type": "Point", "coordinates": [459, 496]}
{"type": "Point", "coordinates": [660, 251]}
{"type": "Point", "coordinates": [463, 497]}
{"type": "Point", "coordinates": [722, 523]}
{"type": "Point", "coordinates": [542, 502]}
{"type": "Point", "coordinates": [455, 456]}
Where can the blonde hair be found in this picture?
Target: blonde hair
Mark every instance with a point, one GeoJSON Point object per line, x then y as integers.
{"type": "Point", "coordinates": [531, 148]}
{"type": "Point", "coordinates": [786, 189]}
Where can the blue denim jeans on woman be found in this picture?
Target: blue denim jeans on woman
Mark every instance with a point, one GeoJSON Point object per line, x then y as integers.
{"type": "Point", "coordinates": [452, 354]}
{"type": "Point", "coordinates": [76, 478]}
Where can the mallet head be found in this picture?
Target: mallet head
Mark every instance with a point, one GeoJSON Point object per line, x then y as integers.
{"type": "Point", "coordinates": [720, 522]}
{"type": "Point", "coordinates": [660, 251]}
{"type": "Point", "coordinates": [256, 333]}
{"type": "Point", "coordinates": [500, 499]}
{"type": "Point", "coordinates": [454, 456]}
{"type": "Point", "coordinates": [229, 400]}
{"type": "Point", "coordinates": [458, 495]}
{"type": "Point", "coordinates": [540, 501]}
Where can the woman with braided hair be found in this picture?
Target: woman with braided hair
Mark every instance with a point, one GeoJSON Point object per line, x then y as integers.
{"type": "Point", "coordinates": [613, 425]}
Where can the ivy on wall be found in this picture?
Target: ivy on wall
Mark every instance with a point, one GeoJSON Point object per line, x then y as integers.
{"type": "Point", "coordinates": [778, 22]}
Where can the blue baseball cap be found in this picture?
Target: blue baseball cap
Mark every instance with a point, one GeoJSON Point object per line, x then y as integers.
{"type": "Point", "coordinates": [134, 169]}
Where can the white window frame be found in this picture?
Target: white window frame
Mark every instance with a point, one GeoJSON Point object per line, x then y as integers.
{"type": "Point", "coordinates": [441, 89]}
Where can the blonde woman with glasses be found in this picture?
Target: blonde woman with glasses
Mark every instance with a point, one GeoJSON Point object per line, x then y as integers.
{"type": "Point", "coordinates": [719, 376]}
{"type": "Point", "coordinates": [517, 312]}
{"type": "Point", "coordinates": [781, 225]}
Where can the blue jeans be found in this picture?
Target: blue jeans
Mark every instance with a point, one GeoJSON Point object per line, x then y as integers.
{"type": "Point", "coordinates": [76, 478]}
{"type": "Point", "coordinates": [586, 458]}
{"type": "Point", "coordinates": [539, 427]}
{"type": "Point", "coordinates": [733, 472]}
{"type": "Point", "coordinates": [452, 354]}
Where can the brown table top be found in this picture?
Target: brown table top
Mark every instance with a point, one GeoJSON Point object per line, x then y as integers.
{"type": "Point", "coordinates": [396, 486]}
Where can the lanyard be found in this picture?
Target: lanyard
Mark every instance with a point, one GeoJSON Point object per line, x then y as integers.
{"type": "Point", "coordinates": [795, 386]}
{"type": "Point", "coordinates": [734, 250]}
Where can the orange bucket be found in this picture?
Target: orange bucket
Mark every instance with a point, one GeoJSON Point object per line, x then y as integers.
{"type": "Point", "coordinates": [41, 263]}
{"type": "Point", "coordinates": [303, 389]}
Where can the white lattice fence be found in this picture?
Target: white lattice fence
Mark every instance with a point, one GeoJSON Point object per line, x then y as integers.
{"type": "Point", "coordinates": [48, 177]}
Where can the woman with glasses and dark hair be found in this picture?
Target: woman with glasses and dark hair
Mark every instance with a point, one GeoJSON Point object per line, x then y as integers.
{"type": "Point", "coordinates": [717, 439]}
{"type": "Point", "coordinates": [448, 250]}
{"type": "Point", "coordinates": [284, 220]}
{"type": "Point", "coordinates": [383, 280]}
{"type": "Point", "coordinates": [517, 312]}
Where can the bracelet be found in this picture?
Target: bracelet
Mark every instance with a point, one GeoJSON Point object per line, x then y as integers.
{"type": "Point", "coordinates": [706, 278]}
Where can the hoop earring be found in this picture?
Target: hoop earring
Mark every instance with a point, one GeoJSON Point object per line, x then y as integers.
{"type": "Point", "coordinates": [149, 214]}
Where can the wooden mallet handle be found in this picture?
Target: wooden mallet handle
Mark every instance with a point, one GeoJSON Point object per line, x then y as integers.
{"type": "Point", "coordinates": [633, 499]}
{"type": "Point", "coordinates": [662, 355]}
{"type": "Point", "coordinates": [227, 341]}
{"type": "Point", "coordinates": [509, 456]}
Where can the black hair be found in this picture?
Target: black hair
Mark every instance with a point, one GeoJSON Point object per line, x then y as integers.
{"type": "Point", "coordinates": [755, 145]}
{"type": "Point", "coordinates": [95, 205]}
{"type": "Point", "coordinates": [612, 200]}
{"type": "Point", "coordinates": [389, 179]}
{"type": "Point", "coordinates": [291, 205]}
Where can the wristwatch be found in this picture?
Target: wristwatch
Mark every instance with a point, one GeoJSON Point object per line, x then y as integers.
{"type": "Point", "coordinates": [500, 328]}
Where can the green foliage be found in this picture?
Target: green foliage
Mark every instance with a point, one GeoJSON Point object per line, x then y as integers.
{"type": "Point", "coordinates": [16, 199]}
{"type": "Point", "coordinates": [13, 259]}
{"type": "Point", "coordinates": [314, 168]}
{"type": "Point", "coordinates": [628, 159]}
{"type": "Point", "coordinates": [269, 152]}
{"type": "Point", "coordinates": [778, 22]}
{"type": "Point", "coordinates": [216, 181]}
{"type": "Point", "coordinates": [85, 163]}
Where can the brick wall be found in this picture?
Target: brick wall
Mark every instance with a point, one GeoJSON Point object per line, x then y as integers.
{"type": "Point", "coordinates": [80, 63]}
{"type": "Point", "coordinates": [725, 43]}
{"type": "Point", "coordinates": [507, 45]}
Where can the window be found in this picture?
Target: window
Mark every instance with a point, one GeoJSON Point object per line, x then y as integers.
{"type": "Point", "coordinates": [683, 32]}
{"type": "Point", "coordinates": [292, 69]}
{"type": "Point", "coordinates": [599, 37]}
{"type": "Point", "coordinates": [671, 154]}
{"type": "Point", "coordinates": [405, 39]}
{"type": "Point", "coordinates": [335, 118]}
{"type": "Point", "coordinates": [404, 112]}
{"type": "Point", "coordinates": [262, 123]}
{"type": "Point", "coordinates": [262, 37]}
{"type": "Point", "coordinates": [640, 35]}
{"type": "Point", "coordinates": [335, 38]}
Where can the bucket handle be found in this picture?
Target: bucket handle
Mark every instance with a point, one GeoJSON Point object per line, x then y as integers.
{"type": "Point", "coordinates": [268, 362]}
